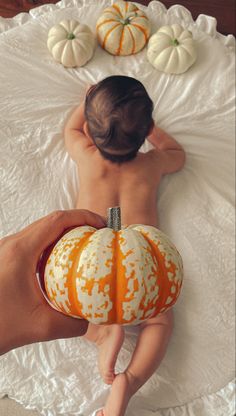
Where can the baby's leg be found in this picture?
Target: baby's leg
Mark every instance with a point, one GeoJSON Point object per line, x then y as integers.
{"type": "Point", "coordinates": [151, 348]}
{"type": "Point", "coordinates": [109, 339]}
{"type": "Point", "coordinates": [148, 354]}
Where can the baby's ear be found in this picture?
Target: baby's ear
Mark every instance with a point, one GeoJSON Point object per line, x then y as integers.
{"type": "Point", "coordinates": [86, 130]}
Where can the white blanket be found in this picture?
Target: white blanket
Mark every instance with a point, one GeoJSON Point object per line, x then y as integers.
{"type": "Point", "coordinates": [195, 208]}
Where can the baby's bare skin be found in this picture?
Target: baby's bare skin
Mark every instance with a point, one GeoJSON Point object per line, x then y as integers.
{"type": "Point", "coordinates": [130, 185]}
{"type": "Point", "coordinates": [133, 186]}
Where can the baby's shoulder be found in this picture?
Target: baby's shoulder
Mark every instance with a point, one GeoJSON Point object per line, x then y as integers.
{"type": "Point", "coordinates": [145, 168]}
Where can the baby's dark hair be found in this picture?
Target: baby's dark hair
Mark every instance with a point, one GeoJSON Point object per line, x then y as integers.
{"type": "Point", "coordinates": [118, 111]}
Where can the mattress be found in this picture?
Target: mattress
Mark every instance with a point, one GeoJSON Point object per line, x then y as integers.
{"type": "Point", "coordinates": [195, 205]}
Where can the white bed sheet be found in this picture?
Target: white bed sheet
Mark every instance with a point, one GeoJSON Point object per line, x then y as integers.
{"type": "Point", "coordinates": [196, 208]}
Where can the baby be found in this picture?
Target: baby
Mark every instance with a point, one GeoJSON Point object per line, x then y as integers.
{"type": "Point", "coordinates": [103, 137]}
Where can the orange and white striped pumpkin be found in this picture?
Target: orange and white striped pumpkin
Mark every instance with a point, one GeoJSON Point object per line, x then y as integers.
{"type": "Point", "coordinates": [123, 29]}
{"type": "Point", "coordinates": [107, 276]}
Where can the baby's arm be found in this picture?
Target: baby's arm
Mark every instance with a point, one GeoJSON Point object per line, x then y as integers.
{"type": "Point", "coordinates": [76, 139]}
{"type": "Point", "coordinates": [171, 152]}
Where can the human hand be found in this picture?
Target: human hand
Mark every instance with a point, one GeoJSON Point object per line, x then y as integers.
{"type": "Point", "coordinates": [25, 315]}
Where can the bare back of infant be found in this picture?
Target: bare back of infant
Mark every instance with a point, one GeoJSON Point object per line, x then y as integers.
{"type": "Point", "coordinates": [131, 185]}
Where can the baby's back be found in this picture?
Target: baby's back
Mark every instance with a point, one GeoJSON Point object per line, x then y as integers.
{"type": "Point", "coordinates": [131, 185]}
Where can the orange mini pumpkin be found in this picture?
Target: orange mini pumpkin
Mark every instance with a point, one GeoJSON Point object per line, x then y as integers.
{"type": "Point", "coordinates": [113, 275]}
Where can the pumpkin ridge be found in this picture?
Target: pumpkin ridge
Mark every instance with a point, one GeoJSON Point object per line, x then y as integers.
{"type": "Point", "coordinates": [74, 46]}
{"type": "Point", "coordinates": [186, 50]}
{"type": "Point", "coordinates": [105, 21]}
{"type": "Point", "coordinates": [67, 47]}
{"type": "Point", "coordinates": [59, 43]}
{"type": "Point", "coordinates": [164, 49]}
{"type": "Point", "coordinates": [168, 59]}
{"type": "Point", "coordinates": [161, 271]}
{"type": "Point", "coordinates": [65, 25]}
{"type": "Point", "coordinates": [82, 46]}
{"type": "Point", "coordinates": [113, 12]}
{"type": "Point", "coordinates": [142, 17]}
{"type": "Point", "coordinates": [115, 6]}
{"type": "Point", "coordinates": [71, 280]}
{"type": "Point", "coordinates": [121, 41]}
{"type": "Point", "coordinates": [108, 33]}
{"type": "Point", "coordinates": [132, 37]}
{"type": "Point", "coordinates": [93, 281]}
{"type": "Point", "coordinates": [177, 51]}
{"type": "Point", "coordinates": [142, 30]}
{"type": "Point", "coordinates": [122, 281]}
{"type": "Point", "coordinates": [113, 288]}
{"type": "Point", "coordinates": [166, 287]}
{"type": "Point", "coordinates": [56, 47]}
{"type": "Point", "coordinates": [51, 283]}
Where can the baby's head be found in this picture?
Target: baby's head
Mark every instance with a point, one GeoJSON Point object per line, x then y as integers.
{"type": "Point", "coordinates": [118, 112]}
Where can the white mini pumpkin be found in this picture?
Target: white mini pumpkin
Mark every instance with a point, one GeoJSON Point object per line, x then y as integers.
{"type": "Point", "coordinates": [123, 29]}
{"type": "Point", "coordinates": [71, 43]}
{"type": "Point", "coordinates": [171, 49]}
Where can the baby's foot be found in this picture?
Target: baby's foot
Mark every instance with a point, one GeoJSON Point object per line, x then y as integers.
{"type": "Point", "coordinates": [109, 346]}
{"type": "Point", "coordinates": [121, 392]}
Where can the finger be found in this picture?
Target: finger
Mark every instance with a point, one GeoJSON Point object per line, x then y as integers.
{"type": "Point", "coordinates": [39, 235]}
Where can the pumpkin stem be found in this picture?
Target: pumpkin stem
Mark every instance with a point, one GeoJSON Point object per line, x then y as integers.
{"type": "Point", "coordinates": [114, 218]}
{"type": "Point", "coordinates": [71, 36]}
{"type": "Point", "coordinates": [125, 21]}
{"type": "Point", "coordinates": [175, 42]}
{"type": "Point", "coordinates": [128, 19]}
